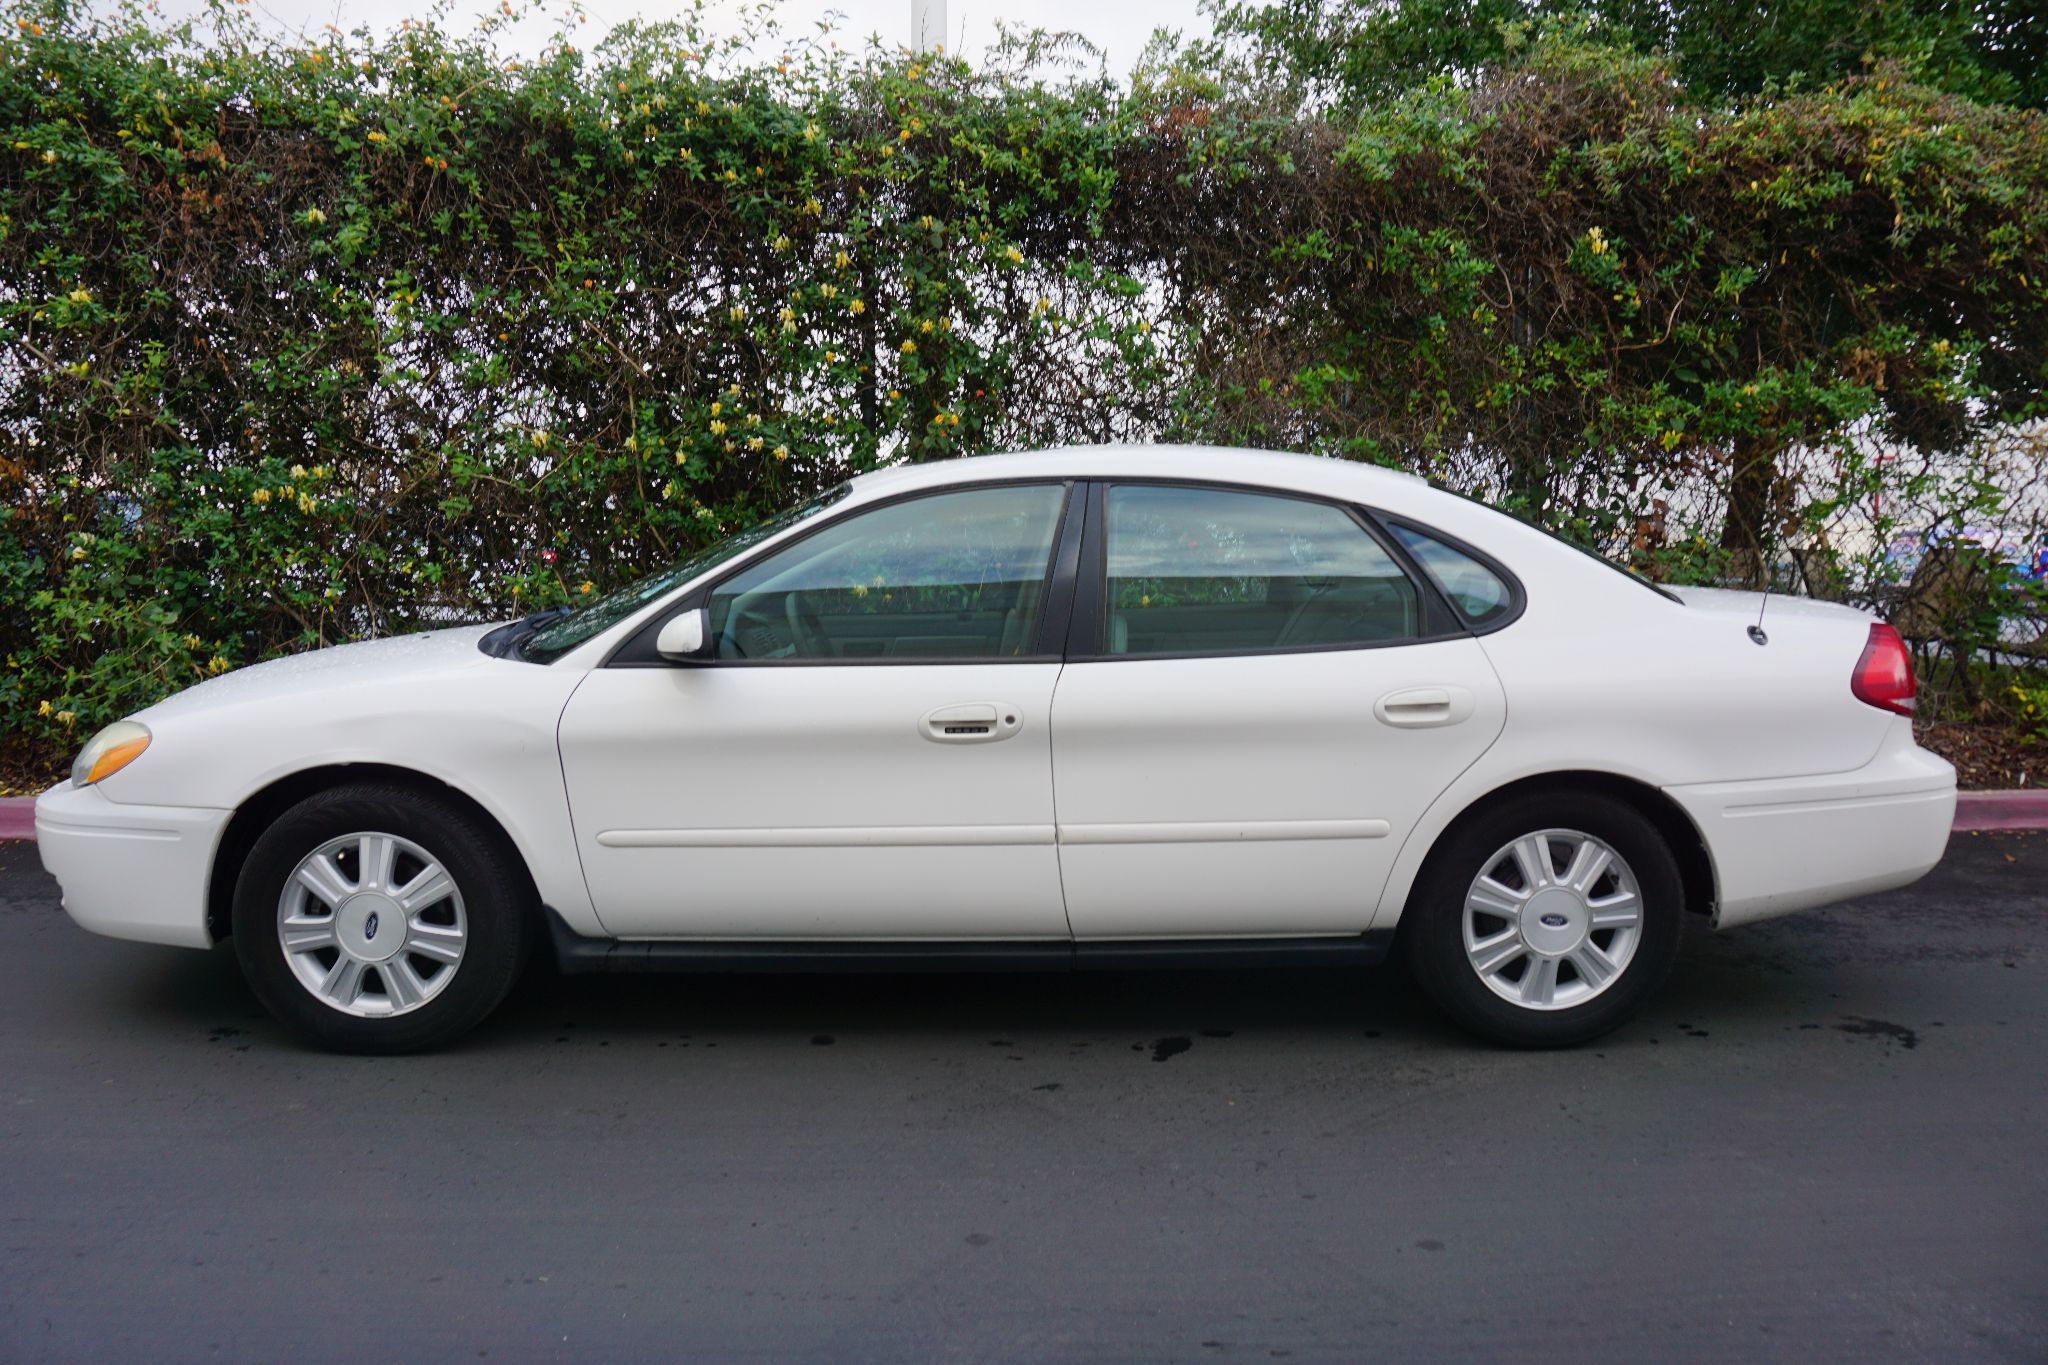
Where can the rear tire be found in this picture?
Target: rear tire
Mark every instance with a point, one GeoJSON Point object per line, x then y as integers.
{"type": "Point", "coordinates": [1547, 920]}
{"type": "Point", "coordinates": [379, 919]}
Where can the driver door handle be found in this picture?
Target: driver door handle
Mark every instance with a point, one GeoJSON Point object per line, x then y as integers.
{"type": "Point", "coordinates": [974, 722]}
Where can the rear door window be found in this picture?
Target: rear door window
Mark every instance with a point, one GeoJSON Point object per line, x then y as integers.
{"type": "Point", "coordinates": [1207, 570]}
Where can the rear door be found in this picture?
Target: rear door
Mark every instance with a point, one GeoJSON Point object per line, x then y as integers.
{"type": "Point", "coordinates": [1260, 701]}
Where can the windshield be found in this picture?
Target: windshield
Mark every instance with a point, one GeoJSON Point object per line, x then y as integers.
{"type": "Point", "coordinates": [558, 637]}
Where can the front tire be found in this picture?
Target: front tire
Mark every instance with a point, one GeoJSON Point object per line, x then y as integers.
{"type": "Point", "coordinates": [1547, 920]}
{"type": "Point", "coordinates": [379, 919]}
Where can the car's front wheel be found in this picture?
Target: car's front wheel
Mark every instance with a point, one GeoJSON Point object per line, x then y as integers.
{"type": "Point", "coordinates": [1547, 920]}
{"type": "Point", "coordinates": [380, 919]}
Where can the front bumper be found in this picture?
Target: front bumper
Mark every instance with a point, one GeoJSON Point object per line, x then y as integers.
{"type": "Point", "coordinates": [135, 872]}
{"type": "Point", "coordinates": [1794, 843]}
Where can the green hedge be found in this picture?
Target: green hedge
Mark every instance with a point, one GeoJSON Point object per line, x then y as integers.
{"type": "Point", "coordinates": [304, 342]}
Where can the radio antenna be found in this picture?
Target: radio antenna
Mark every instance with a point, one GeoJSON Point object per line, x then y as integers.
{"type": "Point", "coordinates": [1756, 632]}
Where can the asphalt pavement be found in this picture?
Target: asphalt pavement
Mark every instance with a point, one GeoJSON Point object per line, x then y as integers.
{"type": "Point", "coordinates": [1829, 1141]}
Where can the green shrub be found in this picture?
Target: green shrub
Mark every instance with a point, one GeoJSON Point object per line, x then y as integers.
{"type": "Point", "coordinates": [306, 341]}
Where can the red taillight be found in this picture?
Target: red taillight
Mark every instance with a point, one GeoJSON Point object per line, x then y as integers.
{"type": "Point", "coordinates": [1884, 675]}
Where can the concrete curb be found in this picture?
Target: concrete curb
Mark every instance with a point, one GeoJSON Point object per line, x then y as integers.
{"type": "Point", "coordinates": [1974, 811]}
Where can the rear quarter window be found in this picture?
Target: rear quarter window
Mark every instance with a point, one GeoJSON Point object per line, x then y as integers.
{"type": "Point", "coordinates": [1478, 594]}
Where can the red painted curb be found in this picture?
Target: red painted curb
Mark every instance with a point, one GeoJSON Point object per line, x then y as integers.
{"type": "Point", "coordinates": [2002, 810]}
{"type": "Point", "coordinates": [1974, 811]}
{"type": "Point", "coordinates": [17, 817]}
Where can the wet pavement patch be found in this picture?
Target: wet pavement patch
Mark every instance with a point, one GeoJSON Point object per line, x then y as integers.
{"type": "Point", "coordinates": [1879, 1028]}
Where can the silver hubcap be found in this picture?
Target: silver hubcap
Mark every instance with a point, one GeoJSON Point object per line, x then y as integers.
{"type": "Point", "coordinates": [1552, 919]}
{"type": "Point", "coordinates": [372, 924]}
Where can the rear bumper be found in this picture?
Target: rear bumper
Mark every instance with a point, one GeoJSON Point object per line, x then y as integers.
{"type": "Point", "coordinates": [136, 872]}
{"type": "Point", "coordinates": [1794, 843]}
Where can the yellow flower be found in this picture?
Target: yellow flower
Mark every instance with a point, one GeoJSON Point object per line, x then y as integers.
{"type": "Point", "coordinates": [810, 132]}
{"type": "Point", "coordinates": [831, 356]}
{"type": "Point", "coordinates": [909, 347]}
{"type": "Point", "coordinates": [45, 709]}
{"type": "Point", "coordinates": [716, 408]}
{"type": "Point", "coordinates": [217, 665]}
{"type": "Point", "coordinates": [1014, 256]}
{"type": "Point", "coordinates": [903, 136]}
{"type": "Point", "coordinates": [703, 107]}
{"type": "Point", "coordinates": [781, 452]}
{"type": "Point", "coordinates": [80, 296]}
{"type": "Point", "coordinates": [782, 241]}
{"type": "Point", "coordinates": [813, 207]}
{"type": "Point", "coordinates": [828, 291]}
{"type": "Point", "coordinates": [736, 313]}
{"type": "Point", "coordinates": [925, 326]}
{"type": "Point", "coordinates": [859, 590]}
{"type": "Point", "coordinates": [260, 496]}
{"type": "Point", "coordinates": [733, 389]}
{"type": "Point", "coordinates": [755, 443]}
{"type": "Point", "coordinates": [305, 504]}
{"type": "Point", "coordinates": [842, 260]}
{"type": "Point", "coordinates": [298, 471]}
{"type": "Point", "coordinates": [66, 718]}
{"type": "Point", "coordinates": [191, 642]}
{"type": "Point", "coordinates": [856, 308]}
{"type": "Point", "coordinates": [375, 136]}
{"type": "Point", "coordinates": [717, 428]}
{"type": "Point", "coordinates": [587, 587]}
{"type": "Point", "coordinates": [684, 154]}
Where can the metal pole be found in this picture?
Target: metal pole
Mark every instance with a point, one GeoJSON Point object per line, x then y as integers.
{"type": "Point", "coordinates": [927, 25]}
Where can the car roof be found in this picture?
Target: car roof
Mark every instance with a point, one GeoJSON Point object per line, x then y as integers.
{"type": "Point", "coordinates": [1196, 463]}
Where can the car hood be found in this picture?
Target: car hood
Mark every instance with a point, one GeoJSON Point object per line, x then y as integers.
{"type": "Point", "coordinates": [398, 659]}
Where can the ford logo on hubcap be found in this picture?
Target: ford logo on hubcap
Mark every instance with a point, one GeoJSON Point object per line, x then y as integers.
{"type": "Point", "coordinates": [370, 925]}
{"type": "Point", "coordinates": [1548, 921]}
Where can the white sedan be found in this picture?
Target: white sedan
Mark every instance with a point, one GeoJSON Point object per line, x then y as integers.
{"type": "Point", "coordinates": [1082, 708]}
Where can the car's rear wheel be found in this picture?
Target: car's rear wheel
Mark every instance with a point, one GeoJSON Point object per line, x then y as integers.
{"type": "Point", "coordinates": [1547, 920]}
{"type": "Point", "coordinates": [380, 919]}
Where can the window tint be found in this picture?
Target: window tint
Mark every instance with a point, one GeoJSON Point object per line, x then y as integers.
{"type": "Point", "coordinates": [1198, 569]}
{"type": "Point", "coordinates": [1476, 591]}
{"type": "Point", "coordinates": [954, 575]}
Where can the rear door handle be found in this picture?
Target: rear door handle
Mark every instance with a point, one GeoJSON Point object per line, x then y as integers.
{"type": "Point", "coordinates": [1419, 708]}
{"type": "Point", "coordinates": [974, 722]}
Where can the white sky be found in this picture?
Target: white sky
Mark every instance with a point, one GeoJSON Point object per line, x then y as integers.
{"type": "Point", "coordinates": [1120, 27]}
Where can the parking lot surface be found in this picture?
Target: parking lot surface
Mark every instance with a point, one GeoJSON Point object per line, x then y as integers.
{"type": "Point", "coordinates": [1828, 1140]}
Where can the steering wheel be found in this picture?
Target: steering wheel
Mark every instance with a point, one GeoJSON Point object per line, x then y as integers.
{"type": "Point", "coordinates": [805, 630]}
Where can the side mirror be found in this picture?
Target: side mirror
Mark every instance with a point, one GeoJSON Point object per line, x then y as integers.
{"type": "Point", "coordinates": [686, 639]}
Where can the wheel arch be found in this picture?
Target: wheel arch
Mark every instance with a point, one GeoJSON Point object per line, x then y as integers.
{"type": "Point", "coordinates": [256, 813]}
{"type": "Point", "coordinates": [1688, 846]}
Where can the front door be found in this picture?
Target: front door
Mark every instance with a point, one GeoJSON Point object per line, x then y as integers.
{"type": "Point", "coordinates": [1266, 705]}
{"type": "Point", "coordinates": [867, 755]}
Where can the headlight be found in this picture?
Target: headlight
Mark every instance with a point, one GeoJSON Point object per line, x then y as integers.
{"type": "Point", "coordinates": [109, 751]}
